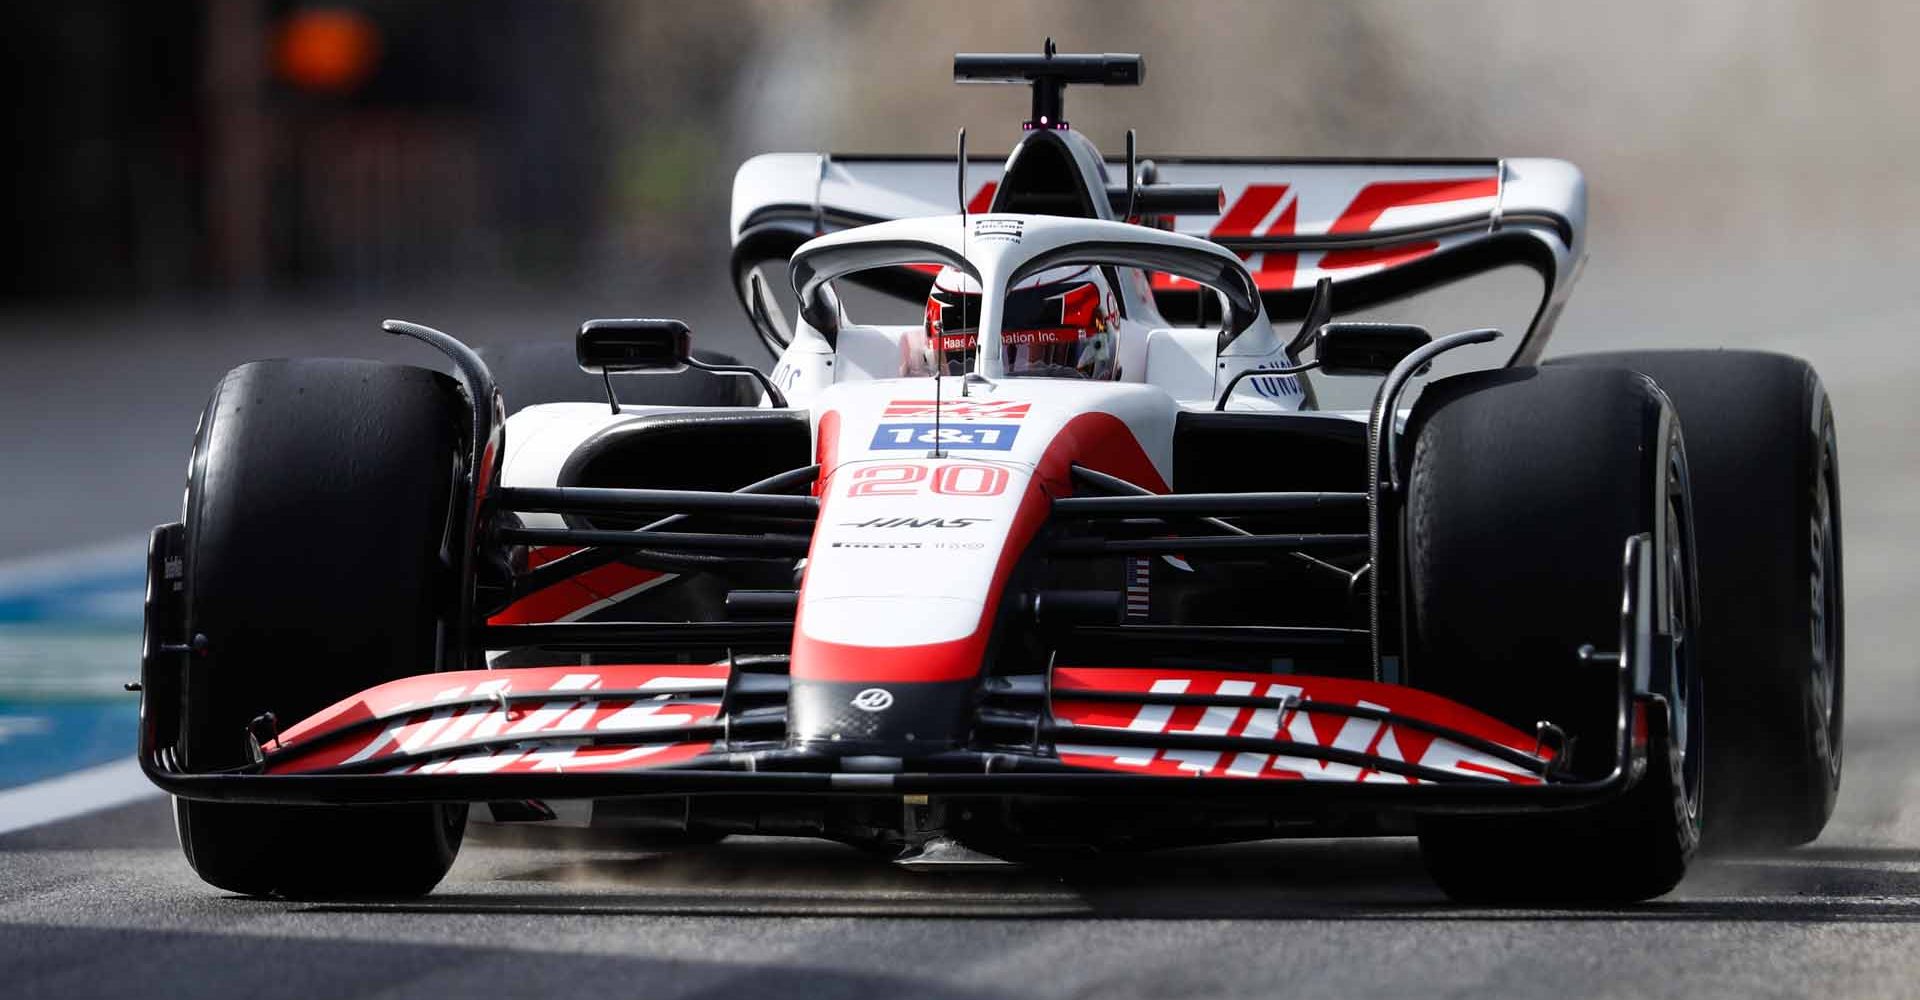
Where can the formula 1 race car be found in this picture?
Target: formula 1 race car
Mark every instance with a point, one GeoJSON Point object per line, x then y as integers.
{"type": "Point", "coordinates": [1074, 562]}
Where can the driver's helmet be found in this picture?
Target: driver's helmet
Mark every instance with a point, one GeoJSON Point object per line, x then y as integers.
{"type": "Point", "coordinates": [1059, 322]}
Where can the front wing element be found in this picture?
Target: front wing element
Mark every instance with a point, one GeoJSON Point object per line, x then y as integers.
{"type": "Point", "coordinates": [612, 731]}
{"type": "Point", "coordinates": [532, 720]}
{"type": "Point", "coordinates": [1145, 721]}
{"type": "Point", "coordinates": [1235, 726]}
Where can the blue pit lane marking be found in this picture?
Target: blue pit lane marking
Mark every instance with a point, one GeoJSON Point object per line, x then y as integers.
{"type": "Point", "coordinates": [69, 638]}
{"type": "Point", "coordinates": [44, 739]}
{"type": "Point", "coordinates": [97, 585]}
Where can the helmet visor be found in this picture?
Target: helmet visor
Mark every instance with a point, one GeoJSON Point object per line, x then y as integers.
{"type": "Point", "coordinates": [1058, 329]}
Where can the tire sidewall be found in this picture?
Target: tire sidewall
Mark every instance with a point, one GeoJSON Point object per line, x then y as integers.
{"type": "Point", "coordinates": [360, 415]}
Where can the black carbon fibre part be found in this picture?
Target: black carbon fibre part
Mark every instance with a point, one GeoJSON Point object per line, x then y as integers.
{"type": "Point", "coordinates": [885, 719]}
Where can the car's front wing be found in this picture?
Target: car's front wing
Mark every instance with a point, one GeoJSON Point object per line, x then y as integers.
{"type": "Point", "coordinates": [618, 731]}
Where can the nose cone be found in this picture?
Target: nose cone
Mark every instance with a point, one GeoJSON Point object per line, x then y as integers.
{"type": "Point", "coordinates": [927, 503]}
{"type": "Point", "coordinates": [904, 576]}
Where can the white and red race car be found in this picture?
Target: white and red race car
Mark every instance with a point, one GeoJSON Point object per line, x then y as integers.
{"type": "Point", "coordinates": [1043, 571]}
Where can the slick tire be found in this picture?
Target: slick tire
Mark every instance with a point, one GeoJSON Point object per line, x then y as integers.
{"type": "Point", "coordinates": [318, 501]}
{"type": "Point", "coordinates": [1524, 487]}
{"type": "Point", "coordinates": [1766, 488]}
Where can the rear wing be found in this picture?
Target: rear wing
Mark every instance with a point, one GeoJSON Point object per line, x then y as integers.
{"type": "Point", "coordinates": [1380, 229]}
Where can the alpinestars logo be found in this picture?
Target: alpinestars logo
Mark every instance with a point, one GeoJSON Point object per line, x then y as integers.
{"type": "Point", "coordinates": [999, 229]}
{"type": "Point", "coordinates": [916, 522]}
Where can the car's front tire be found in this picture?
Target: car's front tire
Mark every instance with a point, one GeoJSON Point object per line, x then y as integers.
{"type": "Point", "coordinates": [317, 516]}
{"type": "Point", "coordinates": [1524, 488]}
{"type": "Point", "coordinates": [1766, 486]}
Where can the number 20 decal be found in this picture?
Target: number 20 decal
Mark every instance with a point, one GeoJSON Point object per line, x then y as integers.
{"type": "Point", "coordinates": [959, 479]}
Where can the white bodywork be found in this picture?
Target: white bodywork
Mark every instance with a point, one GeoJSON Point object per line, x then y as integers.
{"type": "Point", "coordinates": [927, 505]}
{"type": "Point", "coordinates": [869, 582]}
{"type": "Point", "coordinates": [955, 472]}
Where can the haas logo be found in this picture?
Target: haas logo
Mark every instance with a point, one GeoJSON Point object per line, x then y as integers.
{"type": "Point", "coordinates": [1272, 209]}
{"type": "Point", "coordinates": [873, 700]}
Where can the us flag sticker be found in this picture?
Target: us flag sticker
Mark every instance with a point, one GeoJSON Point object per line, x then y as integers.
{"type": "Point", "coordinates": [957, 409]}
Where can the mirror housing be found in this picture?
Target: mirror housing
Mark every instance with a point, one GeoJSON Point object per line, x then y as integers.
{"type": "Point", "coordinates": [611, 346]}
{"type": "Point", "coordinates": [1366, 348]}
{"type": "Point", "coordinates": [1319, 314]}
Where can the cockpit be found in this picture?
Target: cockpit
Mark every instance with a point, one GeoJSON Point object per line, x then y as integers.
{"type": "Point", "coordinates": [1061, 323]}
{"type": "Point", "coordinates": [1025, 296]}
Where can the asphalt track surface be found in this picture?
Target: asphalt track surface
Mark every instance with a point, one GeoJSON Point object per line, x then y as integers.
{"type": "Point", "coordinates": [104, 904]}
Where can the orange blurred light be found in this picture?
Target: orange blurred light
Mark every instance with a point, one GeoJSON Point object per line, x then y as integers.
{"type": "Point", "coordinates": [329, 50]}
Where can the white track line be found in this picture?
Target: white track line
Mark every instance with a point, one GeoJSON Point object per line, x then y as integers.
{"type": "Point", "coordinates": [73, 795]}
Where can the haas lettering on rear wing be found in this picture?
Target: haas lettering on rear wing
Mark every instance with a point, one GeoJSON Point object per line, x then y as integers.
{"type": "Point", "coordinates": [1381, 229]}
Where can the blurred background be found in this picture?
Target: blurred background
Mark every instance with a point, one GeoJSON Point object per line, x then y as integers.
{"type": "Point", "coordinates": [195, 184]}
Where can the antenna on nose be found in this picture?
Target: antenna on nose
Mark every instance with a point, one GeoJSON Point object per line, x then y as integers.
{"type": "Point", "coordinates": [960, 173]}
{"type": "Point", "coordinates": [967, 362]}
{"type": "Point", "coordinates": [938, 347]}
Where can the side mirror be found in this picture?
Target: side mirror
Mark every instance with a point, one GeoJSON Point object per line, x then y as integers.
{"type": "Point", "coordinates": [1366, 348]}
{"type": "Point", "coordinates": [608, 346]}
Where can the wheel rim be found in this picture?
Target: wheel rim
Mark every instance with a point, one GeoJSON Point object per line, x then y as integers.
{"type": "Point", "coordinates": [1826, 622]}
{"type": "Point", "coordinates": [1682, 688]}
